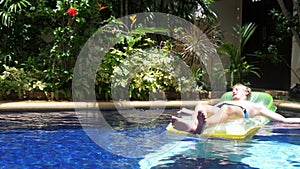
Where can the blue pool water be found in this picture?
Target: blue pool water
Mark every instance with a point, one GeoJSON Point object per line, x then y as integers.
{"type": "Point", "coordinates": [57, 140]}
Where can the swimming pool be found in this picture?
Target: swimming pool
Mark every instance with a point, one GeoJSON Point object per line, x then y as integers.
{"type": "Point", "coordinates": [57, 140]}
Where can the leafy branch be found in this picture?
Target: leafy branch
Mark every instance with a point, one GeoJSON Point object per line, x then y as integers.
{"type": "Point", "coordinates": [10, 9]}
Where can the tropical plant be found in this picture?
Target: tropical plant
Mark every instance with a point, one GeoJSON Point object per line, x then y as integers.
{"type": "Point", "coordinates": [17, 81]}
{"type": "Point", "coordinates": [192, 48]}
{"type": "Point", "coordinates": [239, 68]}
{"type": "Point", "coordinates": [144, 72]}
{"type": "Point", "coordinates": [288, 22]}
{"type": "Point", "coordinates": [151, 71]}
{"type": "Point", "coordinates": [11, 9]}
{"type": "Point", "coordinates": [10, 12]}
{"type": "Point", "coordinates": [46, 37]}
{"type": "Point", "coordinates": [130, 43]}
{"type": "Point", "coordinates": [287, 26]}
{"type": "Point", "coordinates": [186, 9]}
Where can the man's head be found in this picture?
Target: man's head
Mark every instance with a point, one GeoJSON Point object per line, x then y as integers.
{"type": "Point", "coordinates": [240, 92]}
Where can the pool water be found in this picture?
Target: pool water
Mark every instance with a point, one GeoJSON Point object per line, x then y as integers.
{"type": "Point", "coordinates": [57, 140]}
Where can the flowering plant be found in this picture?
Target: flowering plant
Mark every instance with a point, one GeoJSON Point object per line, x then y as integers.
{"type": "Point", "coordinates": [72, 11]}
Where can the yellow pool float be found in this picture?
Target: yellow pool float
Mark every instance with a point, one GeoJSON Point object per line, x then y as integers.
{"type": "Point", "coordinates": [236, 129]}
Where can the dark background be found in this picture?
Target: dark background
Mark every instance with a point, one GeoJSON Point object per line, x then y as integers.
{"type": "Point", "coordinates": [273, 76]}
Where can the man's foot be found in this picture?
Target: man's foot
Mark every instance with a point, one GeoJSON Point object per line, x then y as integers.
{"type": "Point", "coordinates": [195, 127]}
{"type": "Point", "coordinates": [201, 122]}
{"type": "Point", "coordinates": [183, 125]}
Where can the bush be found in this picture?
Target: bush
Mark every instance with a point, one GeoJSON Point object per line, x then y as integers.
{"type": "Point", "coordinates": [40, 42]}
{"type": "Point", "coordinates": [16, 80]}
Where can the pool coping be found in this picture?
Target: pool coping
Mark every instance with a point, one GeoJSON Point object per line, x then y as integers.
{"type": "Point", "coordinates": [71, 106]}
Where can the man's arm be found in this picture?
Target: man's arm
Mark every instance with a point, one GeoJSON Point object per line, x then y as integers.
{"type": "Point", "coordinates": [272, 115]}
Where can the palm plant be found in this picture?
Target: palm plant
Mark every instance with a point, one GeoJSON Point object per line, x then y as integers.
{"type": "Point", "coordinates": [239, 68]}
{"type": "Point", "coordinates": [9, 9]}
{"type": "Point", "coordinates": [194, 42]}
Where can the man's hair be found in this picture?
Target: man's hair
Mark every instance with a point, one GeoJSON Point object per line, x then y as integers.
{"type": "Point", "coordinates": [248, 89]}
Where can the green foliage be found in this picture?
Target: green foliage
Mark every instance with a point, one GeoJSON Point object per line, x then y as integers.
{"type": "Point", "coordinates": [11, 9]}
{"type": "Point", "coordinates": [283, 32]}
{"type": "Point", "coordinates": [42, 36]}
{"type": "Point", "coordinates": [129, 44]}
{"type": "Point", "coordinates": [17, 80]}
{"type": "Point", "coordinates": [194, 48]}
{"type": "Point", "coordinates": [152, 71]}
{"type": "Point", "coordinates": [187, 9]}
{"type": "Point", "coordinates": [284, 26]}
{"type": "Point", "coordinates": [40, 42]}
{"type": "Point", "coordinates": [239, 68]}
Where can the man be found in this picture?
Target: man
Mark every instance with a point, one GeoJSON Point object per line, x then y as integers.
{"type": "Point", "coordinates": [239, 107]}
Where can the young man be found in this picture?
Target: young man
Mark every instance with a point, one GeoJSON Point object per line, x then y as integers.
{"type": "Point", "coordinates": [239, 107]}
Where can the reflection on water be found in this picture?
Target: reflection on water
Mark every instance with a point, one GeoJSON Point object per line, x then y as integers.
{"type": "Point", "coordinates": [260, 152]}
{"type": "Point", "coordinates": [193, 152]}
{"type": "Point", "coordinates": [277, 145]}
{"type": "Point", "coordinates": [37, 120]}
{"type": "Point", "coordinates": [273, 154]}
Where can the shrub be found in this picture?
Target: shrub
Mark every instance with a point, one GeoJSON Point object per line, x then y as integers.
{"type": "Point", "coordinates": [17, 80]}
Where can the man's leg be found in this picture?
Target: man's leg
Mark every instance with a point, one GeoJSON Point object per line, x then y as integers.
{"type": "Point", "coordinates": [197, 119]}
{"type": "Point", "coordinates": [207, 114]}
{"type": "Point", "coordinates": [194, 126]}
{"type": "Point", "coordinates": [207, 110]}
{"type": "Point", "coordinates": [185, 111]}
{"type": "Point", "coordinates": [203, 107]}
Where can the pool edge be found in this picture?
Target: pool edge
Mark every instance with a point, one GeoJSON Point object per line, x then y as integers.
{"type": "Point", "coordinates": [68, 105]}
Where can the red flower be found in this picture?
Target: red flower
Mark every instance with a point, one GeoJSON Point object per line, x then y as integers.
{"type": "Point", "coordinates": [72, 11]}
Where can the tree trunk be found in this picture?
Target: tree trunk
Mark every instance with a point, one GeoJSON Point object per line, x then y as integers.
{"type": "Point", "coordinates": [295, 55]}
{"type": "Point", "coordinates": [288, 17]}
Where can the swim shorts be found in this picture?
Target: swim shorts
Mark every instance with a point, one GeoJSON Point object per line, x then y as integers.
{"type": "Point", "coordinates": [246, 114]}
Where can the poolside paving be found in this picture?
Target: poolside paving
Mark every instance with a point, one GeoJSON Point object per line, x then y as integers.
{"type": "Point", "coordinates": [31, 105]}
{"type": "Point", "coordinates": [68, 105]}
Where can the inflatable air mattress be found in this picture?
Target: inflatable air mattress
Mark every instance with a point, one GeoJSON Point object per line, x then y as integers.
{"type": "Point", "coordinates": [238, 128]}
